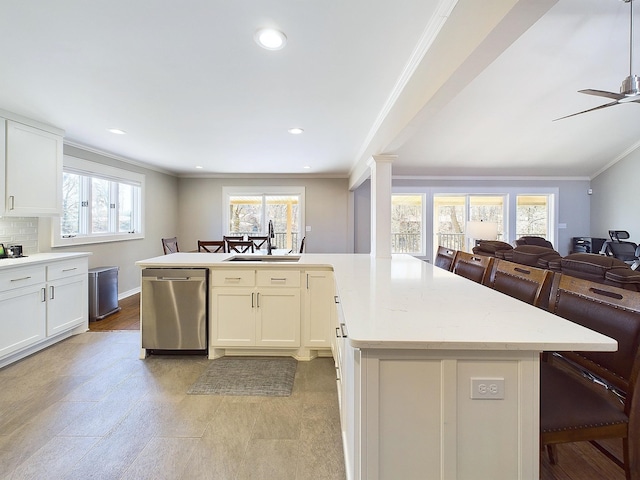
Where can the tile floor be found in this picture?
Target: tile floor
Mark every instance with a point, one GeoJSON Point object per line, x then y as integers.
{"type": "Point", "coordinates": [88, 408]}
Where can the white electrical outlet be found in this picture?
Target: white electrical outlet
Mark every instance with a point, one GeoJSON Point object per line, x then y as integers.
{"type": "Point", "coordinates": [487, 388]}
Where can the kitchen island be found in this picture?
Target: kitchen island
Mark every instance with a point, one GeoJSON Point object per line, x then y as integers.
{"type": "Point", "coordinates": [417, 349]}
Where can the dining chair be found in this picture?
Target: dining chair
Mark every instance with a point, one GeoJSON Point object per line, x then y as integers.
{"type": "Point", "coordinates": [472, 266]}
{"type": "Point", "coordinates": [591, 396]}
{"type": "Point", "coordinates": [170, 245]}
{"type": "Point", "coordinates": [212, 246]}
{"type": "Point", "coordinates": [529, 284]}
{"type": "Point", "coordinates": [444, 257]}
{"type": "Point", "coordinates": [240, 246]}
{"type": "Point", "coordinates": [258, 241]}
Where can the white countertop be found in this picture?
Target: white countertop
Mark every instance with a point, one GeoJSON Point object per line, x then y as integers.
{"type": "Point", "coordinates": [36, 258]}
{"type": "Point", "coordinates": [410, 304]}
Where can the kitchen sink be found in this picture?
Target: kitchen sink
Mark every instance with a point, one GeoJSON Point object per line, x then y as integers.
{"type": "Point", "coordinates": [264, 258]}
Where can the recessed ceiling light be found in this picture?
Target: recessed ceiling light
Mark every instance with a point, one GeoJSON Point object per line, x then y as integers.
{"type": "Point", "coordinates": [198, 166]}
{"type": "Point", "coordinates": [270, 39]}
{"type": "Point", "coordinates": [306, 167]}
{"type": "Point", "coordinates": [295, 131]}
{"type": "Point", "coordinates": [117, 131]}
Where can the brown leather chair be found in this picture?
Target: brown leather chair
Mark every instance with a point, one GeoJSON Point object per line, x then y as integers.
{"type": "Point", "coordinates": [471, 266]}
{"type": "Point", "coordinates": [534, 240]}
{"type": "Point", "coordinates": [532, 255]}
{"type": "Point", "coordinates": [492, 248]}
{"type": "Point", "coordinates": [444, 258]}
{"type": "Point", "coordinates": [591, 396]}
{"type": "Point", "coordinates": [212, 246]}
{"type": "Point", "coordinates": [241, 246]}
{"type": "Point", "coordinates": [170, 245]}
{"type": "Point", "coordinates": [529, 284]}
{"type": "Point", "coordinates": [599, 269]}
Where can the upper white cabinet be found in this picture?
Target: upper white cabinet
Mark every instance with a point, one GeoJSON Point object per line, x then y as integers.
{"type": "Point", "coordinates": [33, 183]}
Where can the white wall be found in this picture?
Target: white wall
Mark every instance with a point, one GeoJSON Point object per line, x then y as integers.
{"type": "Point", "coordinates": [161, 220]}
{"type": "Point", "coordinates": [616, 199]}
{"type": "Point", "coordinates": [326, 210]}
{"type": "Point", "coordinates": [573, 203]}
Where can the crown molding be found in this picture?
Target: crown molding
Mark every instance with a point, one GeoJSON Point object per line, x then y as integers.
{"type": "Point", "coordinates": [113, 156]}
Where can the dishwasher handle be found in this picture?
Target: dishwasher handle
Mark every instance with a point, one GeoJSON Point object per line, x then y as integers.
{"type": "Point", "coordinates": [175, 279]}
{"type": "Point", "coordinates": [174, 274]}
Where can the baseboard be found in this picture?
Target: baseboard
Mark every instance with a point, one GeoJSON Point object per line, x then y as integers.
{"type": "Point", "coordinates": [128, 293]}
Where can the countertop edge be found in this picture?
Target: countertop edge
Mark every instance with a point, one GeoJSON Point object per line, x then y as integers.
{"type": "Point", "coordinates": [37, 258]}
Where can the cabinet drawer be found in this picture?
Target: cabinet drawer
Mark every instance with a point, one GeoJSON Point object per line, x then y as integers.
{"type": "Point", "coordinates": [21, 277]}
{"type": "Point", "coordinates": [67, 268]}
{"type": "Point", "coordinates": [235, 278]}
{"type": "Point", "coordinates": [278, 278]}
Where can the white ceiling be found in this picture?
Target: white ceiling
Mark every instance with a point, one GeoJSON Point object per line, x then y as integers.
{"type": "Point", "coordinates": [188, 84]}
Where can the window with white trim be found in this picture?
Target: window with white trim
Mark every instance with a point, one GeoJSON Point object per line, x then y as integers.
{"type": "Point", "coordinates": [248, 211]}
{"type": "Point", "coordinates": [407, 223]}
{"type": "Point", "coordinates": [99, 204]}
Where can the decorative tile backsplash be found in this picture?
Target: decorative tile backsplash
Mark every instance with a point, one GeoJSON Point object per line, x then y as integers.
{"type": "Point", "coordinates": [20, 230]}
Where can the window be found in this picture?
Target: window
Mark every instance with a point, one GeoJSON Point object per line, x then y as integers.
{"type": "Point", "coordinates": [532, 216]}
{"type": "Point", "coordinates": [407, 224]}
{"type": "Point", "coordinates": [248, 211]}
{"type": "Point", "coordinates": [452, 214]}
{"type": "Point", "coordinates": [99, 204]}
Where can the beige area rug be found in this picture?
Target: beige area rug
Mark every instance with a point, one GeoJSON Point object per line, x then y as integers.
{"type": "Point", "coordinates": [251, 376]}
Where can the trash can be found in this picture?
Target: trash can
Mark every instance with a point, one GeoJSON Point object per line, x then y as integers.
{"type": "Point", "coordinates": [103, 292]}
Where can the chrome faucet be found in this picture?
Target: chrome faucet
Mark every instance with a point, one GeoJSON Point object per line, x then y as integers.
{"type": "Point", "coordinates": [270, 235]}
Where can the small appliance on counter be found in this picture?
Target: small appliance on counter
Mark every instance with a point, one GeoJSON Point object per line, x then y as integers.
{"type": "Point", "coordinates": [14, 251]}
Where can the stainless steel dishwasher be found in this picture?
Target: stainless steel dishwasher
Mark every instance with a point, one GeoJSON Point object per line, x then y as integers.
{"type": "Point", "coordinates": [174, 309]}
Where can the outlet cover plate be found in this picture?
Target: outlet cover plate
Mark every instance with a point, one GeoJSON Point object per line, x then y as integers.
{"type": "Point", "coordinates": [487, 388]}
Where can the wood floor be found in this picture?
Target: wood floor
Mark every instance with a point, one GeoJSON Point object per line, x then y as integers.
{"type": "Point", "coordinates": [577, 461]}
{"type": "Point", "coordinates": [126, 319]}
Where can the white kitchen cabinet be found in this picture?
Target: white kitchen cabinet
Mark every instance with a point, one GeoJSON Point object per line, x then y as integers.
{"type": "Point", "coordinates": [233, 316]}
{"type": "Point", "coordinates": [252, 308]}
{"type": "Point", "coordinates": [33, 183]}
{"type": "Point", "coordinates": [40, 305]}
{"type": "Point", "coordinates": [278, 317]}
{"type": "Point", "coordinates": [67, 295]}
{"type": "Point", "coordinates": [22, 309]}
{"type": "Point", "coordinates": [319, 309]}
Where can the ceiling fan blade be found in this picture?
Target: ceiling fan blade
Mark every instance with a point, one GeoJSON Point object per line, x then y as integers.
{"type": "Point", "coordinates": [602, 93]}
{"type": "Point", "coordinates": [590, 110]}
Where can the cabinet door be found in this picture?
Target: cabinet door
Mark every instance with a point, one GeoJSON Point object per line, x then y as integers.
{"type": "Point", "coordinates": [67, 304]}
{"type": "Point", "coordinates": [278, 317]}
{"type": "Point", "coordinates": [319, 306]}
{"type": "Point", "coordinates": [233, 317]}
{"type": "Point", "coordinates": [34, 171]}
{"type": "Point", "coordinates": [22, 318]}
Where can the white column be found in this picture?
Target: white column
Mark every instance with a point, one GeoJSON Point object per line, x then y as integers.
{"type": "Point", "coordinates": [380, 166]}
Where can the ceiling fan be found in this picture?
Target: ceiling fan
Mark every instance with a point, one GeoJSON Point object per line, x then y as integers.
{"type": "Point", "coordinates": [630, 89]}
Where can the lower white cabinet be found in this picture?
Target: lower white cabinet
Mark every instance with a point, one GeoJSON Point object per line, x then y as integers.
{"type": "Point", "coordinates": [252, 308]}
{"type": "Point", "coordinates": [22, 318]}
{"type": "Point", "coordinates": [67, 295]}
{"type": "Point", "coordinates": [319, 308]}
{"type": "Point", "coordinates": [39, 303]}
